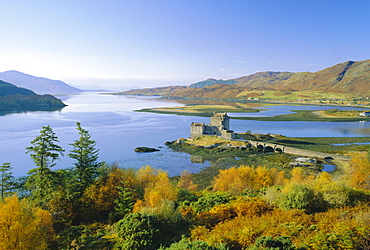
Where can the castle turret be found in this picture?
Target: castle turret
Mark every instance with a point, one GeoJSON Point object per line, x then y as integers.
{"type": "Point", "coordinates": [220, 120]}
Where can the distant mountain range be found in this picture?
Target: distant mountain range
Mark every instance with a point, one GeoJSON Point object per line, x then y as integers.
{"type": "Point", "coordinates": [348, 77]}
{"type": "Point", "coordinates": [39, 85]}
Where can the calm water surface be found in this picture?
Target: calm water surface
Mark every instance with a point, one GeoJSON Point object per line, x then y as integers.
{"type": "Point", "coordinates": [117, 130]}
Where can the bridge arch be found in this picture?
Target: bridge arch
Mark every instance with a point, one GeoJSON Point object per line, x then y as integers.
{"type": "Point", "coordinates": [279, 150]}
{"type": "Point", "coordinates": [269, 149]}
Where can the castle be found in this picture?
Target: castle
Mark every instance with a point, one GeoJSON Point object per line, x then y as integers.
{"type": "Point", "coordinates": [219, 126]}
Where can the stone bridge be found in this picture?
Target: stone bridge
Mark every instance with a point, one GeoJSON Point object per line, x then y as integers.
{"type": "Point", "coordinates": [273, 147]}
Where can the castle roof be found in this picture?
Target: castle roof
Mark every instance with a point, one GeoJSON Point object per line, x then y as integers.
{"type": "Point", "coordinates": [221, 114]}
{"type": "Point", "coordinates": [197, 124]}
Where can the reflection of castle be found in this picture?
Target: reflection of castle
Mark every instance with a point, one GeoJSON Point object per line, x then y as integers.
{"type": "Point", "coordinates": [219, 126]}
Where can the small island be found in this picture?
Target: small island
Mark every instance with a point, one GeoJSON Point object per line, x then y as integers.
{"type": "Point", "coordinates": [145, 150]}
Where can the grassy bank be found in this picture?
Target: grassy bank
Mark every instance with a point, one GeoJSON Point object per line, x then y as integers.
{"type": "Point", "coordinates": [298, 115]}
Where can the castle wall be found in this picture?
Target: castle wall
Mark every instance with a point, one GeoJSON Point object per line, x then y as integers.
{"type": "Point", "coordinates": [196, 129]}
{"type": "Point", "coordinates": [219, 126]}
{"type": "Point", "coordinates": [227, 134]}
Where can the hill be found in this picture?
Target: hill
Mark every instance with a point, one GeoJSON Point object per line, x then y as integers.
{"type": "Point", "coordinates": [39, 85]}
{"type": "Point", "coordinates": [348, 78]}
{"type": "Point", "coordinates": [13, 98]}
{"type": "Point", "coordinates": [10, 89]}
{"type": "Point", "coordinates": [351, 77]}
{"type": "Point", "coordinates": [210, 82]}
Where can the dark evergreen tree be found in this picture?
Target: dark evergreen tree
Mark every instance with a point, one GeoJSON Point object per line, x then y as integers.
{"type": "Point", "coordinates": [86, 156]}
{"type": "Point", "coordinates": [44, 151]}
{"type": "Point", "coordinates": [124, 202]}
{"type": "Point", "coordinates": [269, 243]}
{"type": "Point", "coordinates": [6, 180]}
{"type": "Point", "coordinates": [137, 231]}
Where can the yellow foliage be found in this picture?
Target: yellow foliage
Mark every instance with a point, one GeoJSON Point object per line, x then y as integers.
{"type": "Point", "coordinates": [298, 175]}
{"type": "Point", "coordinates": [157, 189]}
{"type": "Point", "coordinates": [360, 172]}
{"type": "Point", "coordinates": [322, 180]}
{"type": "Point", "coordinates": [22, 226]}
{"type": "Point", "coordinates": [250, 208]}
{"type": "Point", "coordinates": [147, 175]}
{"type": "Point", "coordinates": [342, 228]}
{"type": "Point", "coordinates": [238, 179]}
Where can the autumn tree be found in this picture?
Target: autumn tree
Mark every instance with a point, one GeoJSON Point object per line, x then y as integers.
{"type": "Point", "coordinates": [86, 156]}
{"type": "Point", "coordinates": [6, 180]}
{"type": "Point", "coordinates": [360, 171]}
{"type": "Point", "coordinates": [44, 151]}
{"type": "Point", "coordinates": [157, 189]}
{"type": "Point", "coordinates": [186, 181]}
{"type": "Point", "coordinates": [102, 198]}
{"type": "Point", "coordinates": [22, 226]}
{"type": "Point", "coordinates": [239, 179]}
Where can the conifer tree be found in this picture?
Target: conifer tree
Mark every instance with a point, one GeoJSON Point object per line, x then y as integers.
{"type": "Point", "coordinates": [6, 180]}
{"type": "Point", "coordinates": [86, 156]}
{"type": "Point", "coordinates": [44, 151]}
{"type": "Point", "coordinates": [124, 203]}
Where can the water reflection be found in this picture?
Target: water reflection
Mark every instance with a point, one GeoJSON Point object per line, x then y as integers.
{"type": "Point", "coordinates": [30, 110]}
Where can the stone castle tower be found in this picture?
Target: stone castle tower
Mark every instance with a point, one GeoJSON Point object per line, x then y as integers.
{"type": "Point", "coordinates": [219, 126]}
{"type": "Point", "coordinates": [220, 120]}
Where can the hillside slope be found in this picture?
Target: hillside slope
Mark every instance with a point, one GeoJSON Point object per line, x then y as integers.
{"type": "Point", "coordinates": [349, 77]}
{"type": "Point", "coordinates": [10, 89]}
{"type": "Point", "coordinates": [39, 85]}
{"type": "Point", "coordinates": [13, 98]}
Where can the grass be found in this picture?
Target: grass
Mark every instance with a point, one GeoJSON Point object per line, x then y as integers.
{"type": "Point", "coordinates": [332, 115]}
{"type": "Point", "coordinates": [213, 140]}
{"type": "Point", "coordinates": [204, 110]}
{"type": "Point", "coordinates": [307, 115]}
{"type": "Point", "coordinates": [302, 96]}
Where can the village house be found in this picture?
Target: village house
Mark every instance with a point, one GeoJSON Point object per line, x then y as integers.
{"type": "Point", "coordinates": [366, 114]}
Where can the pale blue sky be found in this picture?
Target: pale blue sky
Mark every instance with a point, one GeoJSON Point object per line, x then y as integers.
{"type": "Point", "coordinates": [123, 44]}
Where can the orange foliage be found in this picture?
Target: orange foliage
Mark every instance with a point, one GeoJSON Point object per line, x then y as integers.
{"type": "Point", "coordinates": [250, 208]}
{"type": "Point", "coordinates": [102, 195]}
{"type": "Point", "coordinates": [238, 207]}
{"type": "Point", "coordinates": [23, 226]}
{"type": "Point", "coordinates": [186, 181]}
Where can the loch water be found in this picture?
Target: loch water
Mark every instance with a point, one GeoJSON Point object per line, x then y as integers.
{"type": "Point", "coordinates": [118, 130]}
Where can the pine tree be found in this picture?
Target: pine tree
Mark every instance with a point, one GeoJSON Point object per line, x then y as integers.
{"type": "Point", "coordinates": [44, 151]}
{"type": "Point", "coordinates": [86, 156]}
{"type": "Point", "coordinates": [6, 180]}
{"type": "Point", "coordinates": [124, 203]}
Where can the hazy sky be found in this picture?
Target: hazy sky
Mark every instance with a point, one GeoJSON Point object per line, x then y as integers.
{"type": "Point", "coordinates": [131, 43]}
